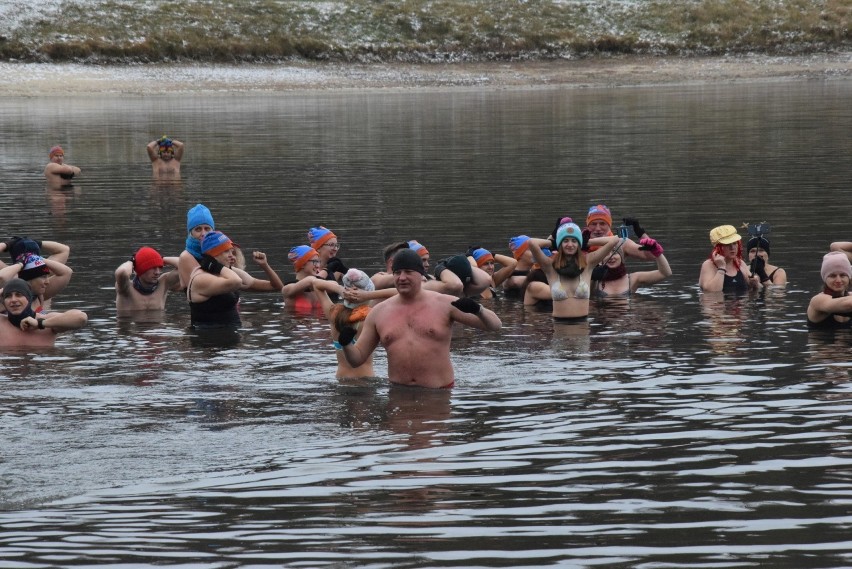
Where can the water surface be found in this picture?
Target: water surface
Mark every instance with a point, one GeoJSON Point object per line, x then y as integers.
{"type": "Point", "coordinates": [687, 431]}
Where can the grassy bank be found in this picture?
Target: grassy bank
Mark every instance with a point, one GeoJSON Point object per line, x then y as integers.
{"type": "Point", "coordinates": [116, 31]}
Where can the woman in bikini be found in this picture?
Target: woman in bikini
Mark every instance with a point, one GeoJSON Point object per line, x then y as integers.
{"type": "Point", "coordinates": [618, 283]}
{"type": "Point", "coordinates": [569, 270]}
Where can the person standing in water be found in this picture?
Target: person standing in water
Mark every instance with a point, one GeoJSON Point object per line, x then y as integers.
{"type": "Point", "coordinates": [415, 327]}
{"type": "Point", "coordinates": [57, 173]}
{"type": "Point", "coordinates": [165, 154]}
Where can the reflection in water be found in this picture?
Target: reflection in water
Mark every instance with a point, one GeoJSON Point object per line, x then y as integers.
{"type": "Point", "coordinates": [677, 429]}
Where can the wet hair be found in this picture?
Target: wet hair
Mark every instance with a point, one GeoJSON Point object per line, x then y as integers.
{"type": "Point", "coordinates": [719, 248]}
{"type": "Point", "coordinates": [391, 249]}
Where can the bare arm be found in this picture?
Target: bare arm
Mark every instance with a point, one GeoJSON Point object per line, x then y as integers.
{"type": "Point", "coordinates": [57, 322]}
{"type": "Point", "coordinates": [357, 354]}
{"type": "Point", "coordinates": [359, 296]}
{"type": "Point", "coordinates": [122, 278]}
{"type": "Point", "coordinates": [485, 319]}
{"type": "Point", "coordinates": [152, 151]}
{"type": "Point", "coordinates": [640, 278]}
{"type": "Point", "coordinates": [843, 247]}
{"type": "Point", "coordinates": [508, 267]}
{"type": "Point", "coordinates": [382, 280]}
{"type": "Point", "coordinates": [712, 276]}
{"type": "Point", "coordinates": [274, 283]}
{"type": "Point", "coordinates": [9, 272]}
{"type": "Point", "coordinates": [322, 288]}
{"type": "Point", "coordinates": [292, 290]}
{"type": "Point", "coordinates": [605, 246]}
{"type": "Point", "coordinates": [209, 285]}
{"type": "Point", "coordinates": [56, 251]}
{"type": "Point", "coordinates": [178, 146]}
{"type": "Point", "coordinates": [61, 276]}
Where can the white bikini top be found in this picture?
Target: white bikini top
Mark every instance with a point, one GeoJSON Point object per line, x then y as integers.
{"type": "Point", "coordinates": [558, 292]}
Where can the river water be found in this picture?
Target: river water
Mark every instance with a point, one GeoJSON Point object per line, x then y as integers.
{"type": "Point", "coordinates": [688, 430]}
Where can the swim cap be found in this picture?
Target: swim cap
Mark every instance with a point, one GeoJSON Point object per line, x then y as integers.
{"type": "Point", "coordinates": [55, 150]}
{"type": "Point", "coordinates": [34, 267]}
{"type": "Point", "coordinates": [145, 259]}
{"type": "Point", "coordinates": [519, 245]}
{"type": "Point", "coordinates": [300, 255]}
{"type": "Point", "coordinates": [481, 256]}
{"type": "Point", "coordinates": [835, 262]}
{"type": "Point", "coordinates": [754, 242]}
{"type": "Point", "coordinates": [199, 215]}
{"type": "Point", "coordinates": [418, 248]}
{"type": "Point", "coordinates": [571, 230]}
{"type": "Point", "coordinates": [317, 236]}
{"type": "Point", "coordinates": [215, 243]}
{"type": "Point", "coordinates": [407, 259]}
{"type": "Point", "coordinates": [20, 286]}
{"type": "Point", "coordinates": [599, 213]}
{"type": "Point", "coordinates": [357, 279]}
{"type": "Point", "coordinates": [724, 235]}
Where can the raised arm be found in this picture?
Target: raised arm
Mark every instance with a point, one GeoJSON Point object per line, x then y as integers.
{"type": "Point", "coordinates": [843, 247]}
{"type": "Point", "coordinates": [178, 146]}
{"type": "Point", "coordinates": [274, 283]}
{"type": "Point", "coordinates": [56, 251]}
{"type": "Point", "coordinates": [152, 151]}
{"type": "Point", "coordinates": [60, 277]}
{"type": "Point", "coordinates": [508, 265]}
{"type": "Point", "coordinates": [122, 278]}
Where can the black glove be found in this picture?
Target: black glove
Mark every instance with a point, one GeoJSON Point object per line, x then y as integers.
{"type": "Point", "coordinates": [599, 272]}
{"type": "Point", "coordinates": [758, 267]}
{"type": "Point", "coordinates": [347, 334]}
{"type": "Point", "coordinates": [637, 229]}
{"type": "Point", "coordinates": [555, 230]}
{"type": "Point", "coordinates": [211, 265]}
{"type": "Point", "coordinates": [587, 234]}
{"type": "Point", "coordinates": [335, 265]}
{"type": "Point", "coordinates": [467, 305]}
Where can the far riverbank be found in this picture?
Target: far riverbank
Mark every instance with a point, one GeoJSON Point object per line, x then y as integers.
{"type": "Point", "coordinates": [51, 80]}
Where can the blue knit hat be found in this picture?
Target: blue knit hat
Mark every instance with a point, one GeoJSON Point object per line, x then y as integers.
{"type": "Point", "coordinates": [199, 215]}
{"type": "Point", "coordinates": [571, 230]}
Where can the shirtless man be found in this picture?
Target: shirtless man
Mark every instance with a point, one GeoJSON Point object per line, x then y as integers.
{"type": "Point", "coordinates": [165, 154]}
{"type": "Point", "coordinates": [22, 327]}
{"type": "Point", "coordinates": [415, 327]}
{"type": "Point", "coordinates": [58, 173]}
{"type": "Point", "coordinates": [141, 284]}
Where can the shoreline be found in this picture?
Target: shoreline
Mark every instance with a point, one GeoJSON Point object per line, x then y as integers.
{"type": "Point", "coordinates": [54, 80]}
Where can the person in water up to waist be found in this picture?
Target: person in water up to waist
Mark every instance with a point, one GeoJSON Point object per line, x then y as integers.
{"type": "Point", "coordinates": [415, 328]}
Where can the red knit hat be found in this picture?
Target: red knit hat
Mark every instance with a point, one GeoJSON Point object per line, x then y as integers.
{"type": "Point", "coordinates": [146, 259]}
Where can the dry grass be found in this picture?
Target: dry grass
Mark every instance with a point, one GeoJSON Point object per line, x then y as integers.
{"type": "Point", "coordinates": [422, 30]}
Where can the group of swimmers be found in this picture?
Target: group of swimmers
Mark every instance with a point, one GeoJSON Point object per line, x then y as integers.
{"type": "Point", "coordinates": [408, 307]}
